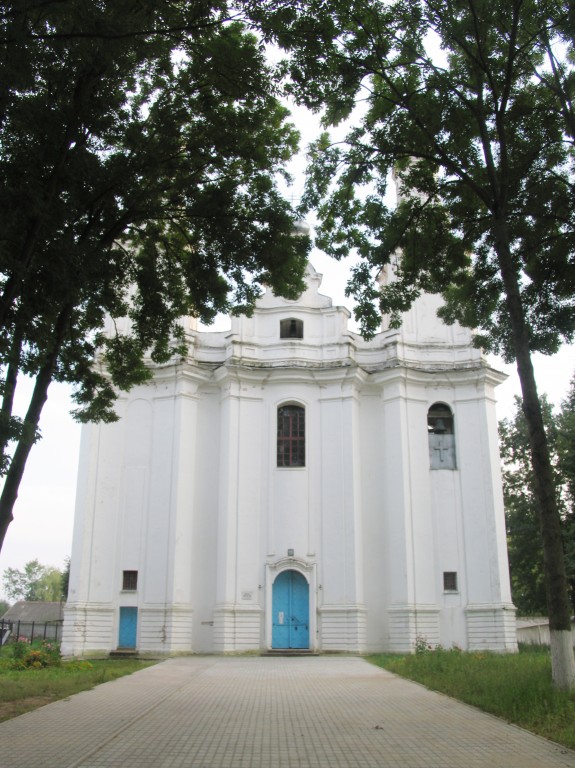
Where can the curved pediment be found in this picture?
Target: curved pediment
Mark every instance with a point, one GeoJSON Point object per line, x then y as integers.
{"type": "Point", "coordinates": [311, 298]}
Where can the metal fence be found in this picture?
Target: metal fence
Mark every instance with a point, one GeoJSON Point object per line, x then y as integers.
{"type": "Point", "coordinates": [11, 631]}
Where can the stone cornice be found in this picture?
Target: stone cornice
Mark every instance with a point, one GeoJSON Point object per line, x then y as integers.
{"type": "Point", "coordinates": [434, 374]}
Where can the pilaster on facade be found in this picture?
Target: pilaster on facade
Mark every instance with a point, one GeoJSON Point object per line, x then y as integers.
{"type": "Point", "coordinates": [182, 469]}
{"type": "Point", "coordinates": [411, 564]}
{"type": "Point", "coordinates": [87, 629]}
{"type": "Point", "coordinates": [341, 513]}
{"type": "Point", "coordinates": [237, 628]}
{"type": "Point", "coordinates": [228, 501]}
{"type": "Point", "coordinates": [342, 628]}
{"type": "Point", "coordinates": [411, 625]}
{"type": "Point", "coordinates": [483, 545]}
{"type": "Point", "coordinates": [166, 629]}
{"type": "Point", "coordinates": [491, 627]}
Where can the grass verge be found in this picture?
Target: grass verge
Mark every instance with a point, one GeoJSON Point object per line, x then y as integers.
{"type": "Point", "coordinates": [24, 690]}
{"type": "Point", "coordinates": [515, 687]}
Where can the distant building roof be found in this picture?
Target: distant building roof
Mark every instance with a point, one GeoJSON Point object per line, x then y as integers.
{"type": "Point", "coordinates": [38, 610]}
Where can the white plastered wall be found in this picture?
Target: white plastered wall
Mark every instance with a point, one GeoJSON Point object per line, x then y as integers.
{"type": "Point", "coordinates": [185, 490]}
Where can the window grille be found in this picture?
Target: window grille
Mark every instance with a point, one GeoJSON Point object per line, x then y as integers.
{"type": "Point", "coordinates": [130, 581]}
{"type": "Point", "coordinates": [450, 581]}
{"type": "Point", "coordinates": [291, 436]}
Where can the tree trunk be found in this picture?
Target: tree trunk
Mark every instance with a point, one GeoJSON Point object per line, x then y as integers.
{"type": "Point", "coordinates": [25, 443]}
{"type": "Point", "coordinates": [29, 428]}
{"type": "Point", "coordinates": [558, 606]}
{"type": "Point", "coordinates": [10, 382]}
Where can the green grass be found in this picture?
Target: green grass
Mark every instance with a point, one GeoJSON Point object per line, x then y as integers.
{"type": "Point", "coordinates": [24, 690]}
{"type": "Point", "coordinates": [516, 687]}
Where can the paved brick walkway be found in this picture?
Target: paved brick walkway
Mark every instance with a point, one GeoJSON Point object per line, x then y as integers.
{"type": "Point", "coordinates": [250, 712]}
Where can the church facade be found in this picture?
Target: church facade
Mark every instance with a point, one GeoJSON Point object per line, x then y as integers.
{"type": "Point", "coordinates": [289, 485]}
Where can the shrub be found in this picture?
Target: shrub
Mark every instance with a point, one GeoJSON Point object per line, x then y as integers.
{"type": "Point", "coordinates": [35, 656]}
{"type": "Point", "coordinates": [20, 648]}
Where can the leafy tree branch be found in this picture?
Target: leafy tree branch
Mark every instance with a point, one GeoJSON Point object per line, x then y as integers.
{"type": "Point", "coordinates": [139, 155]}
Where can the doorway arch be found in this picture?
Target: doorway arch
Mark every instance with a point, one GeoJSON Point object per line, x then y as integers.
{"type": "Point", "coordinates": [290, 611]}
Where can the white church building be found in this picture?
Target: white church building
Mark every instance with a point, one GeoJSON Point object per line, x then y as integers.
{"type": "Point", "coordinates": [289, 485]}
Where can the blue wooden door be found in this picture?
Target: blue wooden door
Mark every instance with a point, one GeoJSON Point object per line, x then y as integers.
{"type": "Point", "coordinates": [290, 608]}
{"type": "Point", "coordinates": [128, 627]}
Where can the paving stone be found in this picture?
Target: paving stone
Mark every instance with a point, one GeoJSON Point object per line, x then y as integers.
{"type": "Point", "coordinates": [251, 712]}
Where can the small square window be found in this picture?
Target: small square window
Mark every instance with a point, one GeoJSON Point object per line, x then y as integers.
{"type": "Point", "coordinates": [130, 581]}
{"type": "Point", "coordinates": [450, 581]}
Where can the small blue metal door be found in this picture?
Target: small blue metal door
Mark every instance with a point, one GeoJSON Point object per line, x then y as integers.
{"type": "Point", "coordinates": [290, 609]}
{"type": "Point", "coordinates": [128, 627]}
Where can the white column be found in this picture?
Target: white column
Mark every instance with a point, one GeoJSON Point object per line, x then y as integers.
{"type": "Point", "coordinates": [89, 616]}
{"type": "Point", "coordinates": [411, 572]}
{"type": "Point", "coordinates": [490, 613]}
{"type": "Point", "coordinates": [166, 620]}
{"type": "Point", "coordinates": [238, 614]}
{"type": "Point", "coordinates": [342, 610]}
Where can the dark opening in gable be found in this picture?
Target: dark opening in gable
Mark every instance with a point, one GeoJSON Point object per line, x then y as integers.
{"type": "Point", "coordinates": [291, 328]}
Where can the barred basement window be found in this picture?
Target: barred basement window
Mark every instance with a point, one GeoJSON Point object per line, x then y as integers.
{"type": "Point", "coordinates": [291, 328]}
{"type": "Point", "coordinates": [450, 581]}
{"type": "Point", "coordinates": [130, 581]}
{"type": "Point", "coordinates": [291, 436]}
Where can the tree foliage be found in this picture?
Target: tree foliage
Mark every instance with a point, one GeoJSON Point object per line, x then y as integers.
{"type": "Point", "coordinates": [140, 148]}
{"type": "Point", "coordinates": [526, 559]}
{"type": "Point", "coordinates": [566, 454]}
{"type": "Point", "coordinates": [65, 581]}
{"type": "Point", "coordinates": [35, 582]}
{"type": "Point", "coordinates": [459, 101]}
{"type": "Point", "coordinates": [470, 104]}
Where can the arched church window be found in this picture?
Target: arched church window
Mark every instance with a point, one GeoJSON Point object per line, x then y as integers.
{"type": "Point", "coordinates": [291, 328]}
{"type": "Point", "coordinates": [291, 436]}
{"type": "Point", "coordinates": [441, 437]}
